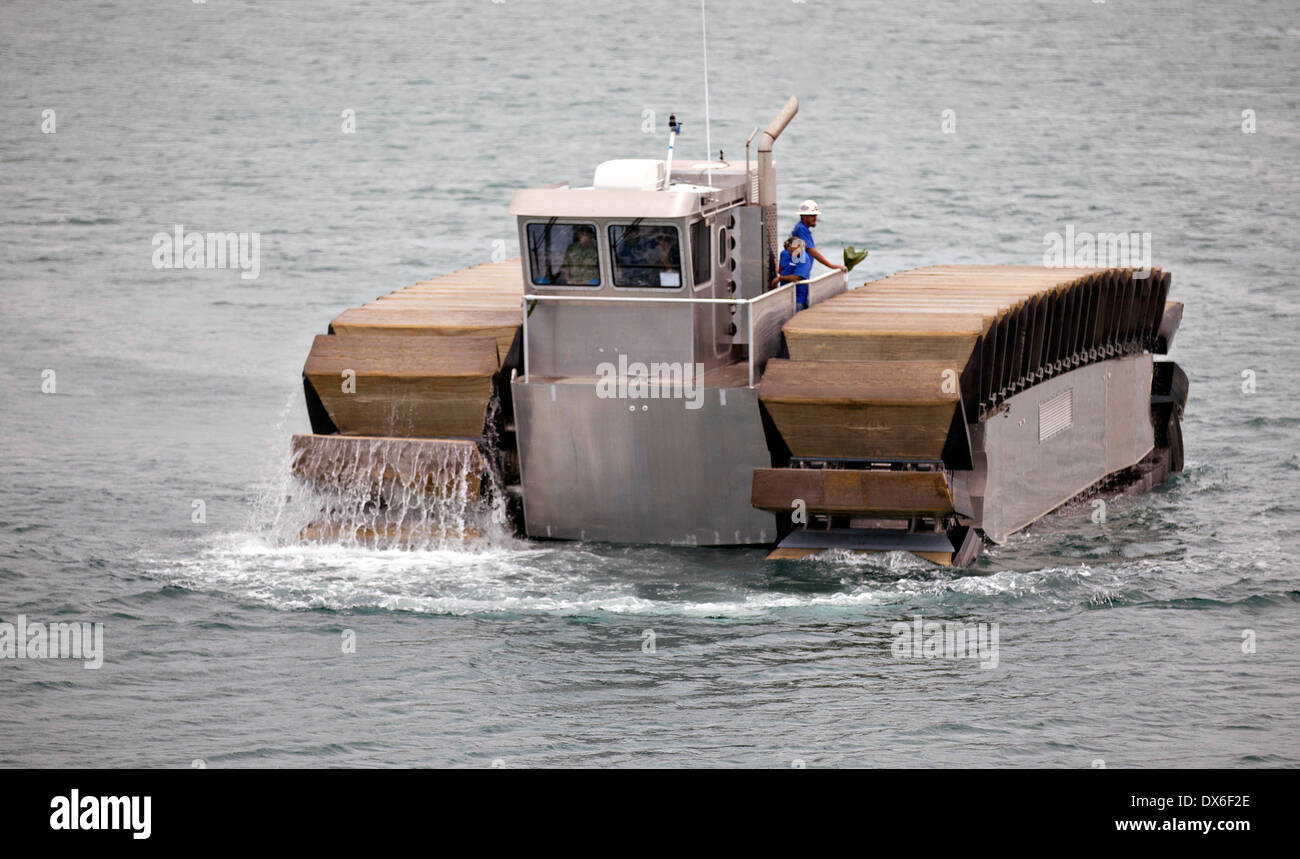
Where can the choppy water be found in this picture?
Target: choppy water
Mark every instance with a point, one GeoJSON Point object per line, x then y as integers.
{"type": "Point", "coordinates": [1119, 641]}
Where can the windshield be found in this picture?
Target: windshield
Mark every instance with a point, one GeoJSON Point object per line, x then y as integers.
{"type": "Point", "coordinates": [564, 254]}
{"type": "Point", "coordinates": [645, 255]}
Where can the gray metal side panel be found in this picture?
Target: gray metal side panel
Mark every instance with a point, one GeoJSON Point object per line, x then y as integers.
{"type": "Point", "coordinates": [574, 338]}
{"type": "Point", "coordinates": [827, 287]}
{"type": "Point", "coordinates": [770, 314]}
{"type": "Point", "coordinates": [1024, 478]}
{"type": "Point", "coordinates": [1130, 434]}
{"type": "Point", "coordinates": [749, 252]}
{"type": "Point", "coordinates": [640, 471]}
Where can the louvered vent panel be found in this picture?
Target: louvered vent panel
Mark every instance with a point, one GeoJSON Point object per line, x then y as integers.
{"type": "Point", "coordinates": [1056, 415]}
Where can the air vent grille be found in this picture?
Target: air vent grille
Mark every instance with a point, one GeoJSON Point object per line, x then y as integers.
{"type": "Point", "coordinates": [1056, 415]}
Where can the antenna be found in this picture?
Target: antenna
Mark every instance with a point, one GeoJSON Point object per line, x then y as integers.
{"type": "Point", "coordinates": [674, 129]}
{"type": "Point", "coordinates": [704, 32]}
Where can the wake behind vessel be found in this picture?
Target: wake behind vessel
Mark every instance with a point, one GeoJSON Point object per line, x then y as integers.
{"type": "Point", "coordinates": [635, 376]}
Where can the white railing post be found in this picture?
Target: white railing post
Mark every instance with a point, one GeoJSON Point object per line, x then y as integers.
{"type": "Point", "coordinates": [527, 365]}
{"type": "Point", "coordinates": [749, 312]}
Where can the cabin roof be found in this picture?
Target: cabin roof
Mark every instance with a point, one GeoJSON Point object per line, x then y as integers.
{"type": "Point", "coordinates": [604, 203]}
{"type": "Point", "coordinates": [695, 186]}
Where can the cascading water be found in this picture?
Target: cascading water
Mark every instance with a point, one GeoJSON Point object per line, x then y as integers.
{"type": "Point", "coordinates": [384, 493]}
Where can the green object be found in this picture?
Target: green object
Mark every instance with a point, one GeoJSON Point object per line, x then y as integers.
{"type": "Point", "coordinates": [853, 256]}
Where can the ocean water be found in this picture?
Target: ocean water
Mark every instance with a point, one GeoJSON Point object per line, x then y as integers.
{"type": "Point", "coordinates": [1120, 641]}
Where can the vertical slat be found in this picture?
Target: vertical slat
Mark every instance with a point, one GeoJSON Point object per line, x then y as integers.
{"type": "Point", "coordinates": [1111, 321]}
{"type": "Point", "coordinates": [1150, 286]}
{"type": "Point", "coordinates": [1097, 318]}
{"type": "Point", "coordinates": [1074, 310]}
{"type": "Point", "coordinates": [1162, 295]}
{"type": "Point", "coordinates": [1123, 316]}
{"type": "Point", "coordinates": [1022, 370]}
{"type": "Point", "coordinates": [1088, 320]}
{"type": "Point", "coordinates": [1034, 368]}
{"type": "Point", "coordinates": [1136, 308]}
{"type": "Point", "coordinates": [1061, 351]}
{"type": "Point", "coordinates": [1099, 329]}
{"type": "Point", "coordinates": [1004, 356]}
{"type": "Point", "coordinates": [1123, 296]}
{"type": "Point", "coordinates": [1017, 346]}
{"type": "Point", "coordinates": [1155, 311]}
{"type": "Point", "coordinates": [988, 355]}
{"type": "Point", "coordinates": [1137, 322]}
{"type": "Point", "coordinates": [1052, 338]}
{"type": "Point", "coordinates": [1026, 369]}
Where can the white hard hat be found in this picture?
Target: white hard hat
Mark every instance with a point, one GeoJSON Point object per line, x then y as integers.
{"type": "Point", "coordinates": [809, 207]}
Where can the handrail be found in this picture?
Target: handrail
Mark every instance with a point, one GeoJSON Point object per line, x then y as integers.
{"type": "Point", "coordinates": [821, 276]}
{"type": "Point", "coordinates": [785, 290]}
{"type": "Point", "coordinates": [654, 299]}
{"type": "Point", "coordinates": [667, 298]}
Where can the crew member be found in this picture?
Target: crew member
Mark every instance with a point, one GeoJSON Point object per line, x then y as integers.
{"type": "Point", "coordinates": [582, 259]}
{"type": "Point", "coordinates": [808, 213]}
{"type": "Point", "coordinates": [796, 265]}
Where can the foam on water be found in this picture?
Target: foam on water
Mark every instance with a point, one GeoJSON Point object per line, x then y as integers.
{"type": "Point", "coordinates": [518, 577]}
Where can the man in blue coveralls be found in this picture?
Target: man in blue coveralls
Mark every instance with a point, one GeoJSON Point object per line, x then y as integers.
{"type": "Point", "coordinates": [795, 265]}
{"type": "Point", "coordinates": [808, 213]}
{"type": "Point", "coordinates": [804, 233]}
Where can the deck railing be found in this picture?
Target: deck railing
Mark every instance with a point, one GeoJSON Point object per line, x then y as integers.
{"type": "Point", "coordinates": [764, 314]}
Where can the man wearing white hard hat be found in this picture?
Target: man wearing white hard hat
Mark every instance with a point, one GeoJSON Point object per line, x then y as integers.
{"type": "Point", "coordinates": [808, 213]}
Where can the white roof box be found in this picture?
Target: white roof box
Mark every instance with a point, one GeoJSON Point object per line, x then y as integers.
{"type": "Point", "coordinates": [630, 174]}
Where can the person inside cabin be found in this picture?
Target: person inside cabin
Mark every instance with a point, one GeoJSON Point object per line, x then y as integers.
{"type": "Point", "coordinates": [808, 212]}
{"type": "Point", "coordinates": [667, 263]}
{"type": "Point", "coordinates": [582, 259]}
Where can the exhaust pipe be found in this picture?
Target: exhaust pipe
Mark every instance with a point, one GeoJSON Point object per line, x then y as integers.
{"type": "Point", "coordinates": [767, 185]}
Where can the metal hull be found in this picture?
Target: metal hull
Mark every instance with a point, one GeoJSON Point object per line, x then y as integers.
{"type": "Point", "coordinates": [654, 471]}
{"type": "Point", "coordinates": [1024, 468]}
{"type": "Point", "coordinates": [638, 470]}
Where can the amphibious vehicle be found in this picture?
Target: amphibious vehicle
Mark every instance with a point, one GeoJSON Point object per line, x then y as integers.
{"type": "Point", "coordinates": [635, 376]}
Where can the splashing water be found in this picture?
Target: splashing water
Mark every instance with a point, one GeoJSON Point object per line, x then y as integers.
{"type": "Point", "coordinates": [382, 493]}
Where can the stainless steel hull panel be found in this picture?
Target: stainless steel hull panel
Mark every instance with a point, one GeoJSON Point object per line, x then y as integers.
{"type": "Point", "coordinates": [574, 338]}
{"type": "Point", "coordinates": [1025, 468]}
{"type": "Point", "coordinates": [640, 470]}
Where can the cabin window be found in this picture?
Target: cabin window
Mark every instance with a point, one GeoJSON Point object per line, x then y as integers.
{"type": "Point", "coordinates": [564, 254]}
{"type": "Point", "coordinates": [701, 254]}
{"type": "Point", "coordinates": [646, 256]}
